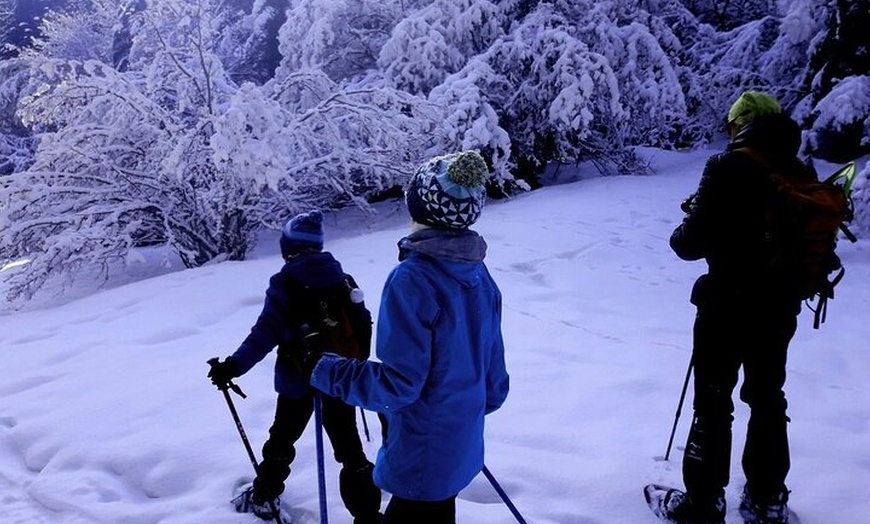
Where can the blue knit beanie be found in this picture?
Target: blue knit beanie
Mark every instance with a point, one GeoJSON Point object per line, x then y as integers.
{"type": "Point", "coordinates": [304, 232]}
{"type": "Point", "coordinates": [448, 191]}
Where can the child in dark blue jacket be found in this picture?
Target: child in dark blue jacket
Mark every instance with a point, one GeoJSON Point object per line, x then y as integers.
{"type": "Point", "coordinates": [306, 265]}
{"type": "Point", "coordinates": [440, 348]}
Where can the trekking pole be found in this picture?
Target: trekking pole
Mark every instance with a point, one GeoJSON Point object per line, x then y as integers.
{"type": "Point", "coordinates": [503, 495]}
{"type": "Point", "coordinates": [308, 336]}
{"type": "Point", "coordinates": [321, 475]}
{"type": "Point", "coordinates": [362, 414]}
{"type": "Point", "coordinates": [680, 406]}
{"type": "Point", "coordinates": [225, 389]}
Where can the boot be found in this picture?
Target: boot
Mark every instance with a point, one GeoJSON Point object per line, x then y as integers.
{"type": "Point", "coordinates": [248, 502]}
{"type": "Point", "coordinates": [676, 507]}
{"type": "Point", "coordinates": [764, 510]}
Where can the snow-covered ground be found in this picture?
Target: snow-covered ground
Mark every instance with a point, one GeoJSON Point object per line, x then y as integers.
{"type": "Point", "coordinates": [106, 415]}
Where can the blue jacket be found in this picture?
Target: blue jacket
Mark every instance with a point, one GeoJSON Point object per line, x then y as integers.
{"type": "Point", "coordinates": [280, 319]}
{"type": "Point", "coordinates": [441, 367]}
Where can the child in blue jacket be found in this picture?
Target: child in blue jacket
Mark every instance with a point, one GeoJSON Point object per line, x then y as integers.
{"type": "Point", "coordinates": [440, 348]}
{"type": "Point", "coordinates": [305, 264]}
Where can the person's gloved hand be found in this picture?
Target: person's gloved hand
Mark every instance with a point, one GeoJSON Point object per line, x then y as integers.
{"type": "Point", "coordinates": [309, 361]}
{"type": "Point", "coordinates": [688, 204]}
{"type": "Point", "coordinates": [221, 373]}
{"type": "Point", "coordinates": [312, 350]}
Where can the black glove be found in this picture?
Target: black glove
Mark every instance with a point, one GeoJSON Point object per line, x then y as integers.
{"type": "Point", "coordinates": [221, 373]}
{"type": "Point", "coordinates": [688, 204]}
{"type": "Point", "coordinates": [309, 361]}
{"type": "Point", "coordinates": [312, 350]}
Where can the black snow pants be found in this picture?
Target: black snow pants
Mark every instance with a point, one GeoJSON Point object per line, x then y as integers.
{"type": "Point", "coordinates": [358, 492]}
{"type": "Point", "coordinates": [404, 511]}
{"type": "Point", "coordinates": [725, 339]}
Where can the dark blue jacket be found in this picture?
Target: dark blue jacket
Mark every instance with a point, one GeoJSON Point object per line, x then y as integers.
{"type": "Point", "coordinates": [280, 319]}
{"type": "Point", "coordinates": [442, 366]}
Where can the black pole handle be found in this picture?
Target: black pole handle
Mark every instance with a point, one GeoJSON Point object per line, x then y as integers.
{"type": "Point", "coordinates": [230, 384]}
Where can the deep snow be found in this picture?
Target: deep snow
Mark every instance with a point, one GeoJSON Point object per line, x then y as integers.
{"type": "Point", "coordinates": [106, 415]}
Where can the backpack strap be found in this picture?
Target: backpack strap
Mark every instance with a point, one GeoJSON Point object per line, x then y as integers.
{"type": "Point", "coordinates": [300, 321]}
{"type": "Point", "coordinates": [820, 312]}
{"type": "Point", "coordinates": [851, 236]}
{"type": "Point", "coordinates": [772, 174]}
{"type": "Point", "coordinates": [754, 155]}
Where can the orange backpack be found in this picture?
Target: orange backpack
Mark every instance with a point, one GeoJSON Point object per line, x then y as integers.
{"type": "Point", "coordinates": [803, 221]}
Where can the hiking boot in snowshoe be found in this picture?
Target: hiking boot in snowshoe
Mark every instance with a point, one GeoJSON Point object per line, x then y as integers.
{"type": "Point", "coordinates": [767, 510]}
{"type": "Point", "coordinates": [675, 507]}
{"type": "Point", "coordinates": [248, 502]}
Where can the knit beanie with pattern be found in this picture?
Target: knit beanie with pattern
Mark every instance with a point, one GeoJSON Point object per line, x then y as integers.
{"type": "Point", "coordinates": [448, 191]}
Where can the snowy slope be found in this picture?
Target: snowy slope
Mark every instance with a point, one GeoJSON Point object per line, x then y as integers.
{"type": "Point", "coordinates": [106, 415]}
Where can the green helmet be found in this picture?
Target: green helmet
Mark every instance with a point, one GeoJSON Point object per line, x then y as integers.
{"type": "Point", "coordinates": [750, 105]}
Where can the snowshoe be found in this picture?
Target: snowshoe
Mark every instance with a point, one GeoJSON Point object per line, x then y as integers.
{"type": "Point", "coordinates": [246, 501]}
{"type": "Point", "coordinates": [674, 507]}
{"type": "Point", "coordinates": [773, 510]}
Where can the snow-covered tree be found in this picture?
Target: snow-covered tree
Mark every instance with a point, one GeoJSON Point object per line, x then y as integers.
{"type": "Point", "coordinates": [644, 53]}
{"type": "Point", "coordinates": [841, 121]}
{"type": "Point", "coordinates": [471, 122]}
{"type": "Point", "coordinates": [249, 47]}
{"type": "Point", "coordinates": [7, 18]}
{"type": "Point", "coordinates": [839, 65]}
{"type": "Point", "coordinates": [565, 105]}
{"type": "Point", "coordinates": [555, 97]}
{"type": "Point", "coordinates": [725, 64]}
{"type": "Point", "coordinates": [14, 76]}
{"type": "Point", "coordinates": [315, 142]}
{"type": "Point", "coordinates": [171, 151]}
{"type": "Point", "coordinates": [517, 9]}
{"type": "Point", "coordinates": [794, 53]}
{"type": "Point", "coordinates": [16, 153]}
{"type": "Point", "coordinates": [785, 64]}
{"type": "Point", "coordinates": [437, 40]}
{"type": "Point", "coordinates": [861, 199]}
{"type": "Point", "coordinates": [16, 144]}
{"type": "Point", "coordinates": [80, 30]}
{"type": "Point", "coordinates": [122, 39]}
{"type": "Point", "coordinates": [84, 200]}
{"type": "Point", "coordinates": [123, 157]}
{"type": "Point", "coordinates": [340, 37]}
{"type": "Point", "coordinates": [729, 14]}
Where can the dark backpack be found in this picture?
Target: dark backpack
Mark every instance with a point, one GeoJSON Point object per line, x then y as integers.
{"type": "Point", "coordinates": [338, 319]}
{"type": "Point", "coordinates": [803, 219]}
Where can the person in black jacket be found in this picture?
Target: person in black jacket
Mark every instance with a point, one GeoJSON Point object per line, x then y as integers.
{"type": "Point", "coordinates": [305, 264]}
{"type": "Point", "coordinates": [746, 315]}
